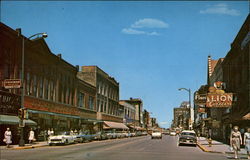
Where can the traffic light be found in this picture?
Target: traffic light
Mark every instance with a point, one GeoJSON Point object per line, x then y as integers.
{"type": "Point", "coordinates": [21, 113]}
{"type": "Point", "coordinates": [25, 114]}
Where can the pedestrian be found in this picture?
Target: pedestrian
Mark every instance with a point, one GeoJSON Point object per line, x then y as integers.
{"type": "Point", "coordinates": [31, 136]}
{"type": "Point", "coordinates": [247, 141]}
{"type": "Point", "coordinates": [235, 141]}
{"type": "Point", "coordinates": [52, 132]}
{"type": "Point", "coordinates": [7, 137]}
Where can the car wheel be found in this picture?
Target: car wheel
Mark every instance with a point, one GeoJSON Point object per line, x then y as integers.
{"type": "Point", "coordinates": [50, 144]}
{"type": "Point", "coordinates": [66, 142]}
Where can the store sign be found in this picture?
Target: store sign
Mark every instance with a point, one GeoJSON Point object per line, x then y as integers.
{"type": "Point", "coordinates": [12, 83]}
{"type": "Point", "coordinates": [200, 99]}
{"type": "Point", "coordinates": [219, 100]}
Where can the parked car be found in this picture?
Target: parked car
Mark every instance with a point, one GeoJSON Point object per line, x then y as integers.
{"type": "Point", "coordinates": [156, 134]}
{"type": "Point", "coordinates": [101, 135]}
{"type": "Point", "coordinates": [84, 136]}
{"type": "Point", "coordinates": [188, 137]}
{"type": "Point", "coordinates": [61, 138]}
{"type": "Point", "coordinates": [172, 133]}
{"type": "Point", "coordinates": [111, 135]}
{"type": "Point", "coordinates": [138, 133]}
{"type": "Point", "coordinates": [133, 134]}
{"type": "Point", "coordinates": [145, 133]}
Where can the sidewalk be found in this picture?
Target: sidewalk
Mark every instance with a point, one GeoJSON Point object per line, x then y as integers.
{"type": "Point", "coordinates": [217, 147]}
{"type": "Point", "coordinates": [27, 146]}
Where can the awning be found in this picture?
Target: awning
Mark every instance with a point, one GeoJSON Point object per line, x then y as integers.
{"type": "Point", "coordinates": [114, 125]}
{"type": "Point", "coordinates": [6, 119]}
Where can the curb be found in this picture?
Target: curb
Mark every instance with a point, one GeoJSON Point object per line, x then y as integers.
{"type": "Point", "coordinates": [204, 149]}
{"type": "Point", "coordinates": [28, 147]}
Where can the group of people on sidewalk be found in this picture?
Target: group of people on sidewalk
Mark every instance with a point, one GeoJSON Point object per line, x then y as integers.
{"type": "Point", "coordinates": [8, 137]}
{"type": "Point", "coordinates": [236, 141]}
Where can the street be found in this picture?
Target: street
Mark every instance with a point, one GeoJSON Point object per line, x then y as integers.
{"type": "Point", "coordinates": [138, 148]}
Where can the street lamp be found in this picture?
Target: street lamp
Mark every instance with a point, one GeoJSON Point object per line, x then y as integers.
{"type": "Point", "coordinates": [189, 93]}
{"type": "Point", "coordinates": [44, 35]}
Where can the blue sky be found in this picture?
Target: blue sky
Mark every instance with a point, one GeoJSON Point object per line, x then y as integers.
{"type": "Point", "coordinates": [151, 48]}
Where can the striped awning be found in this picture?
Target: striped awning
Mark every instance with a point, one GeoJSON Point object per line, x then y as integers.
{"type": "Point", "coordinates": [114, 125]}
{"type": "Point", "coordinates": [14, 120]}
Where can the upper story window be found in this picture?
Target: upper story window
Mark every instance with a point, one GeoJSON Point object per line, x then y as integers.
{"type": "Point", "coordinates": [91, 102]}
{"type": "Point", "coordinates": [81, 97]}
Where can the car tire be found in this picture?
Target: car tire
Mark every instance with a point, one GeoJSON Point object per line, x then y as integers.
{"type": "Point", "coordinates": [50, 144]}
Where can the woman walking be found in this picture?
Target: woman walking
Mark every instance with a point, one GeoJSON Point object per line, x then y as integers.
{"type": "Point", "coordinates": [247, 141]}
{"type": "Point", "coordinates": [31, 136]}
{"type": "Point", "coordinates": [7, 137]}
{"type": "Point", "coordinates": [235, 141]}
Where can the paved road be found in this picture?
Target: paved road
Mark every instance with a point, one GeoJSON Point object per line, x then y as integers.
{"type": "Point", "coordinates": [139, 148]}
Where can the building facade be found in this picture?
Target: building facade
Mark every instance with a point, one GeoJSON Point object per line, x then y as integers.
{"type": "Point", "coordinates": [53, 94]}
{"type": "Point", "coordinates": [129, 112]}
{"type": "Point", "coordinates": [107, 96]}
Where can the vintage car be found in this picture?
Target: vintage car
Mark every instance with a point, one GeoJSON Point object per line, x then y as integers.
{"type": "Point", "coordinates": [187, 137]}
{"type": "Point", "coordinates": [61, 138]}
{"type": "Point", "coordinates": [156, 134]}
{"type": "Point", "coordinates": [101, 135]}
{"type": "Point", "coordinates": [111, 134]}
{"type": "Point", "coordinates": [84, 136]}
{"type": "Point", "coordinates": [172, 133]}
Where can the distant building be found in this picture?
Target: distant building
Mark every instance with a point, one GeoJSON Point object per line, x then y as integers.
{"type": "Point", "coordinates": [107, 96]}
{"type": "Point", "coordinates": [182, 116]}
{"type": "Point", "coordinates": [129, 112]}
{"type": "Point", "coordinates": [138, 103]}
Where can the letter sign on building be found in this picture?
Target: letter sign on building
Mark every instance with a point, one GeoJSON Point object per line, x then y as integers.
{"type": "Point", "coordinates": [12, 83]}
{"type": "Point", "coordinates": [219, 100]}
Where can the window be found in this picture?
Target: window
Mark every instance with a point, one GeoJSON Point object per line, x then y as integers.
{"type": "Point", "coordinates": [46, 88]}
{"type": "Point", "coordinates": [41, 88]}
{"type": "Point", "coordinates": [91, 102]}
{"type": "Point", "coordinates": [51, 90]}
{"type": "Point", "coordinates": [81, 99]}
{"type": "Point", "coordinates": [28, 84]}
{"type": "Point", "coordinates": [35, 86]}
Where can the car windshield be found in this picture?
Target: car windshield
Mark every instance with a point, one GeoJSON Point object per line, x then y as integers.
{"type": "Point", "coordinates": [188, 134]}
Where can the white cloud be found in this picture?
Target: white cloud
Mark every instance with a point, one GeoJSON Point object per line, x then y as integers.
{"type": "Point", "coordinates": [139, 27]}
{"type": "Point", "coordinates": [220, 9]}
{"type": "Point", "coordinates": [149, 23]}
{"type": "Point", "coordinates": [138, 32]}
{"type": "Point", "coordinates": [132, 31]}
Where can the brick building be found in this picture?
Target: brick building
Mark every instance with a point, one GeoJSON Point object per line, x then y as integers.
{"type": "Point", "coordinates": [54, 96]}
{"type": "Point", "coordinates": [107, 101]}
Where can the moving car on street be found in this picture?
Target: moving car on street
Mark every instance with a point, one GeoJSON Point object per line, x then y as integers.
{"type": "Point", "coordinates": [61, 138]}
{"type": "Point", "coordinates": [172, 133]}
{"type": "Point", "coordinates": [188, 137]}
{"type": "Point", "coordinates": [156, 134]}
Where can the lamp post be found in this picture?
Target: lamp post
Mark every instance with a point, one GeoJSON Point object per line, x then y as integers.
{"type": "Point", "coordinates": [44, 35]}
{"type": "Point", "coordinates": [189, 96]}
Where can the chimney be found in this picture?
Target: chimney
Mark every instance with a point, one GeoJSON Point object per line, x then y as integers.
{"type": "Point", "coordinates": [19, 31]}
{"type": "Point", "coordinates": [77, 67]}
{"type": "Point", "coordinates": [59, 55]}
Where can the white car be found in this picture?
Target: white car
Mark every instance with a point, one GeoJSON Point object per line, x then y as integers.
{"type": "Point", "coordinates": [61, 138]}
{"type": "Point", "coordinates": [172, 133]}
{"type": "Point", "coordinates": [156, 134]}
{"type": "Point", "coordinates": [188, 137]}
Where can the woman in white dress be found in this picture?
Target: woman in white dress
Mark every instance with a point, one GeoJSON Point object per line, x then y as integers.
{"type": "Point", "coordinates": [31, 135]}
{"type": "Point", "coordinates": [7, 137]}
{"type": "Point", "coordinates": [235, 141]}
{"type": "Point", "coordinates": [247, 142]}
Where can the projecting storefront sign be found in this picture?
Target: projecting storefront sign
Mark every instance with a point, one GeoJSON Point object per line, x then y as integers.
{"type": "Point", "coordinates": [220, 100]}
{"type": "Point", "coordinates": [200, 99]}
{"type": "Point", "coordinates": [12, 83]}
